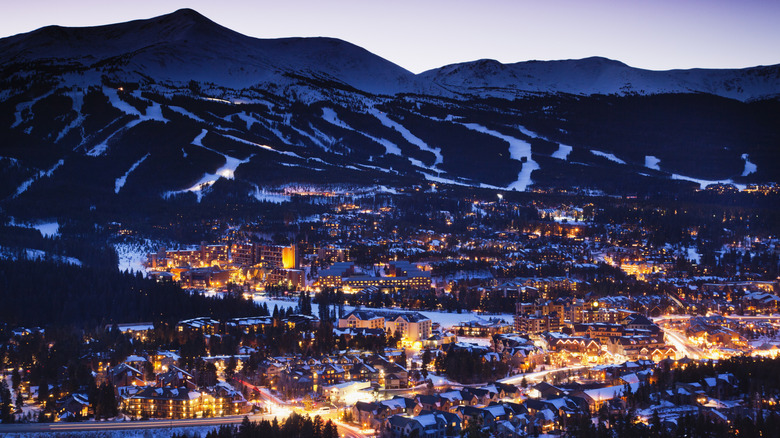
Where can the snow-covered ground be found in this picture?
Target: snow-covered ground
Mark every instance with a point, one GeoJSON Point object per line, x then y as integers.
{"type": "Point", "coordinates": [32, 254]}
{"type": "Point", "coordinates": [446, 319]}
{"type": "Point", "coordinates": [563, 152]}
{"type": "Point", "coordinates": [331, 117]}
{"type": "Point", "coordinates": [47, 229]}
{"type": "Point", "coordinates": [101, 147]}
{"type": "Point", "coordinates": [610, 157]}
{"type": "Point", "coordinates": [704, 182]}
{"type": "Point", "coordinates": [518, 150]}
{"type": "Point", "coordinates": [652, 162]}
{"type": "Point", "coordinates": [78, 100]}
{"type": "Point", "coordinates": [163, 432]}
{"type": "Point", "coordinates": [749, 167]}
{"type": "Point", "coordinates": [186, 113]}
{"type": "Point", "coordinates": [440, 180]}
{"type": "Point", "coordinates": [226, 171]}
{"type": "Point", "coordinates": [132, 254]}
{"type": "Point", "coordinates": [154, 112]}
{"type": "Point", "coordinates": [26, 184]}
{"type": "Point", "coordinates": [120, 182]}
{"type": "Point", "coordinates": [693, 255]}
{"type": "Point", "coordinates": [407, 135]}
{"type": "Point", "coordinates": [263, 195]}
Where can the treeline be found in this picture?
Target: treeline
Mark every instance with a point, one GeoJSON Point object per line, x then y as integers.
{"type": "Point", "coordinates": [766, 425]}
{"type": "Point", "coordinates": [753, 374]}
{"type": "Point", "coordinates": [470, 367]}
{"type": "Point", "coordinates": [86, 247]}
{"type": "Point", "coordinates": [294, 426]}
{"type": "Point", "coordinates": [41, 292]}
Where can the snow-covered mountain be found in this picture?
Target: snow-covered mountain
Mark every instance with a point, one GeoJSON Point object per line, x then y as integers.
{"type": "Point", "coordinates": [601, 76]}
{"type": "Point", "coordinates": [177, 107]}
{"type": "Point", "coordinates": [185, 46]}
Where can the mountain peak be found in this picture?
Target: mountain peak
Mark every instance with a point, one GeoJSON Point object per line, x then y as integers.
{"type": "Point", "coordinates": [187, 13]}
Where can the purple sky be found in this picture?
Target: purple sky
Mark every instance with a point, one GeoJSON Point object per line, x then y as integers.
{"type": "Point", "coordinates": [424, 34]}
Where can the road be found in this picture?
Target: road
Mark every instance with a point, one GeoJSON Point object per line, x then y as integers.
{"type": "Point", "coordinates": [539, 375]}
{"type": "Point", "coordinates": [683, 345]}
{"type": "Point", "coordinates": [127, 425]}
{"type": "Point", "coordinates": [657, 319]}
{"type": "Point", "coordinates": [345, 430]}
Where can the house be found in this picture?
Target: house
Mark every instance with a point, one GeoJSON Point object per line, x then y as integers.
{"type": "Point", "coordinates": [372, 415]}
{"type": "Point", "coordinates": [347, 393]}
{"type": "Point", "coordinates": [546, 391]}
{"type": "Point", "coordinates": [176, 378]}
{"type": "Point", "coordinates": [428, 425]}
{"type": "Point", "coordinates": [125, 375]}
{"type": "Point", "coordinates": [73, 406]}
{"type": "Point", "coordinates": [362, 319]}
{"type": "Point", "coordinates": [394, 381]}
{"type": "Point", "coordinates": [204, 325]}
{"type": "Point", "coordinates": [138, 331]}
{"type": "Point", "coordinates": [490, 416]}
{"type": "Point", "coordinates": [364, 372]}
{"type": "Point", "coordinates": [365, 413]}
{"type": "Point", "coordinates": [506, 429]}
{"type": "Point", "coordinates": [164, 360]}
{"type": "Point", "coordinates": [223, 399]}
{"type": "Point", "coordinates": [167, 403]}
{"type": "Point", "coordinates": [483, 396]}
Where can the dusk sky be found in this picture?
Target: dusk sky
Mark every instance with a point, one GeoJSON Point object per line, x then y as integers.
{"type": "Point", "coordinates": [424, 34]}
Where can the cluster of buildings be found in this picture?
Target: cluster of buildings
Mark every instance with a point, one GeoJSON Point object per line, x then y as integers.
{"type": "Point", "coordinates": [509, 410]}
{"type": "Point", "coordinates": [175, 395]}
{"type": "Point", "coordinates": [214, 266]}
{"type": "Point", "coordinates": [335, 376]}
{"type": "Point", "coordinates": [153, 386]}
{"type": "Point", "coordinates": [413, 327]}
{"type": "Point", "coordinates": [399, 275]}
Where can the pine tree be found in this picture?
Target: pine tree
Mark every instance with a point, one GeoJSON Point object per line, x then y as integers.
{"type": "Point", "coordinates": [5, 403]}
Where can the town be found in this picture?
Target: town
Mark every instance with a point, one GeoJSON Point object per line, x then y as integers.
{"type": "Point", "coordinates": [438, 314]}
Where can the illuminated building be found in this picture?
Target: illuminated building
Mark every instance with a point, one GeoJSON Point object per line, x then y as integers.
{"type": "Point", "coordinates": [482, 329]}
{"type": "Point", "coordinates": [333, 254]}
{"type": "Point", "coordinates": [362, 319]}
{"type": "Point", "coordinates": [412, 326]}
{"type": "Point", "coordinates": [206, 277]}
{"type": "Point", "coordinates": [401, 275]}
{"type": "Point", "coordinates": [137, 331]}
{"type": "Point", "coordinates": [273, 256]}
{"type": "Point", "coordinates": [166, 403]}
{"type": "Point", "coordinates": [204, 325]}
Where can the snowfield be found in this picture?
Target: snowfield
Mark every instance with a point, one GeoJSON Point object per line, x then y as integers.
{"type": "Point", "coordinates": [406, 134]}
{"type": "Point", "coordinates": [704, 182]}
{"type": "Point", "coordinates": [446, 319]}
{"type": "Point", "coordinates": [749, 167]}
{"type": "Point", "coordinates": [331, 117]}
{"type": "Point", "coordinates": [33, 254]}
{"type": "Point", "coordinates": [26, 185]}
{"type": "Point", "coordinates": [120, 182]}
{"type": "Point", "coordinates": [652, 162]}
{"type": "Point", "coordinates": [132, 254]}
{"type": "Point", "coordinates": [47, 229]}
{"type": "Point", "coordinates": [519, 150]}
{"type": "Point", "coordinates": [610, 157]}
{"type": "Point", "coordinates": [563, 152]}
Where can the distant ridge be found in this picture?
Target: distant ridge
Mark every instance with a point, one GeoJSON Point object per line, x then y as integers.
{"type": "Point", "coordinates": [179, 109]}
{"type": "Point", "coordinates": [186, 45]}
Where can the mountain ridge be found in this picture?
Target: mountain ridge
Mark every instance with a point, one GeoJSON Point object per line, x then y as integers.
{"type": "Point", "coordinates": [149, 40]}
{"type": "Point", "coordinates": [180, 109]}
